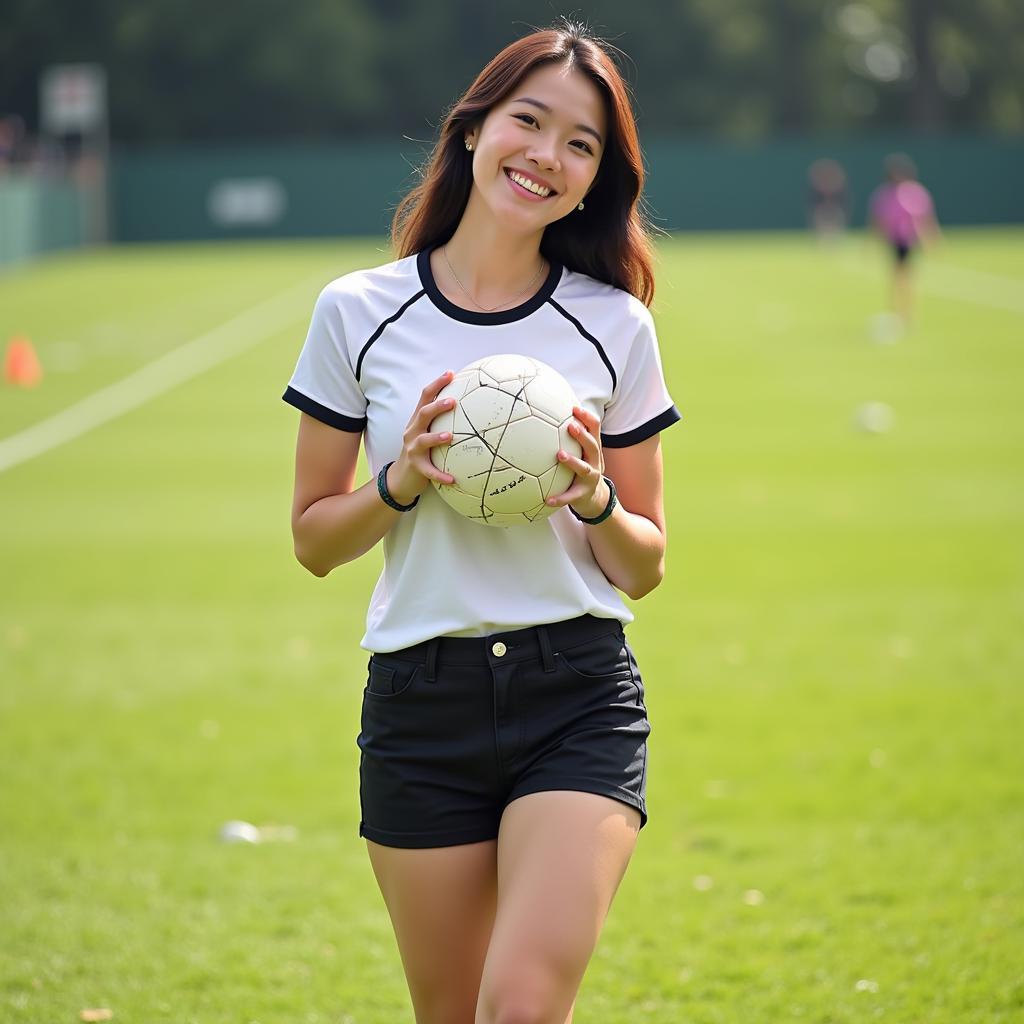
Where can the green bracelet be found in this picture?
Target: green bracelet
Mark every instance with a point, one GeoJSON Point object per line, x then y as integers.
{"type": "Point", "coordinates": [609, 508]}
{"type": "Point", "coordinates": [385, 494]}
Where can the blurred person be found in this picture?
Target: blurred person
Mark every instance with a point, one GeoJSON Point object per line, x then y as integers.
{"type": "Point", "coordinates": [503, 725]}
{"type": "Point", "coordinates": [828, 199]}
{"type": "Point", "coordinates": [903, 215]}
{"type": "Point", "coordinates": [12, 138]}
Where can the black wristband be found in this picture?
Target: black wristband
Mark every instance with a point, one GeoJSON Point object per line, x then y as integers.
{"type": "Point", "coordinates": [608, 510]}
{"type": "Point", "coordinates": [385, 495]}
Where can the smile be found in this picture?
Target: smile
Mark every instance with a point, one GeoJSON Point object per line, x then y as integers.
{"type": "Point", "coordinates": [524, 185]}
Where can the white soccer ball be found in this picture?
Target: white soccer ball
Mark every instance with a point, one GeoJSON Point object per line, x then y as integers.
{"type": "Point", "coordinates": [511, 416]}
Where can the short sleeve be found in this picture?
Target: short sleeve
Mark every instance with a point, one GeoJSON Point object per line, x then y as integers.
{"type": "Point", "coordinates": [640, 405]}
{"type": "Point", "coordinates": [324, 384]}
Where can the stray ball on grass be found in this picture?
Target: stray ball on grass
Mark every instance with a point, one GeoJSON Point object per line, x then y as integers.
{"type": "Point", "coordinates": [874, 418]}
{"type": "Point", "coordinates": [887, 328]}
{"type": "Point", "coordinates": [239, 832]}
{"type": "Point", "coordinates": [511, 417]}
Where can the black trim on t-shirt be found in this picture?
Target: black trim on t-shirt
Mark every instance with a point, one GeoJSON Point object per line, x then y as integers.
{"type": "Point", "coordinates": [644, 431]}
{"type": "Point", "coordinates": [469, 316]}
{"type": "Point", "coordinates": [339, 421]}
{"type": "Point", "coordinates": [586, 334]}
{"type": "Point", "coordinates": [380, 329]}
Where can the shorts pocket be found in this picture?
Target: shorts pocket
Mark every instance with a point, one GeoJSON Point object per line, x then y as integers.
{"type": "Point", "coordinates": [607, 657]}
{"type": "Point", "coordinates": [387, 681]}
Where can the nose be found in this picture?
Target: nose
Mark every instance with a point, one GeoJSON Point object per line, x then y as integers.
{"type": "Point", "coordinates": [544, 154]}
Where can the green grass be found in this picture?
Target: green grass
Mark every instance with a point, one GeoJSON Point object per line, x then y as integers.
{"type": "Point", "coordinates": [833, 664]}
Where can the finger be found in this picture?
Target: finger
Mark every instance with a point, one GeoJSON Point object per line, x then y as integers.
{"type": "Point", "coordinates": [430, 391]}
{"type": "Point", "coordinates": [442, 478]}
{"type": "Point", "coordinates": [574, 493]}
{"type": "Point", "coordinates": [431, 409]}
{"type": "Point", "coordinates": [581, 467]}
{"type": "Point", "coordinates": [589, 420]}
{"type": "Point", "coordinates": [424, 463]}
{"type": "Point", "coordinates": [425, 441]}
{"type": "Point", "coordinates": [585, 438]}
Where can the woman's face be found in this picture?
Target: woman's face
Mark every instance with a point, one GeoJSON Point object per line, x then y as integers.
{"type": "Point", "coordinates": [537, 152]}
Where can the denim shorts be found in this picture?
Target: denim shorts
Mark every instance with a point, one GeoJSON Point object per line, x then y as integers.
{"type": "Point", "coordinates": [455, 728]}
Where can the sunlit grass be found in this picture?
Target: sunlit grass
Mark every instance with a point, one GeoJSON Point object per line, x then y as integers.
{"type": "Point", "coordinates": [832, 665]}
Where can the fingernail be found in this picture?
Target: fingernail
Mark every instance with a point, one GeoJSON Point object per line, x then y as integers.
{"type": "Point", "coordinates": [445, 436]}
{"type": "Point", "coordinates": [449, 402]}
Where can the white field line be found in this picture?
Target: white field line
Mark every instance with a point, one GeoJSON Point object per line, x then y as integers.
{"type": "Point", "coordinates": [975, 286]}
{"type": "Point", "coordinates": [949, 281]}
{"type": "Point", "coordinates": [183, 363]}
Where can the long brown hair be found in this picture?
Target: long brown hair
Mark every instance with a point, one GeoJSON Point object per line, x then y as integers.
{"type": "Point", "coordinates": [610, 239]}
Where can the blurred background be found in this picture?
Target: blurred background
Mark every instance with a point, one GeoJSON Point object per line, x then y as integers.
{"type": "Point", "coordinates": [305, 119]}
{"type": "Point", "coordinates": [833, 663]}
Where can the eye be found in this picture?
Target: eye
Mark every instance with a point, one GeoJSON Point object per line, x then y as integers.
{"type": "Point", "coordinates": [529, 116]}
{"type": "Point", "coordinates": [584, 145]}
{"type": "Point", "coordinates": [530, 119]}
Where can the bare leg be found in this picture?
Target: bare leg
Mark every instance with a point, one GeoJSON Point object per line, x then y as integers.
{"type": "Point", "coordinates": [561, 857]}
{"type": "Point", "coordinates": [442, 903]}
{"type": "Point", "coordinates": [902, 293]}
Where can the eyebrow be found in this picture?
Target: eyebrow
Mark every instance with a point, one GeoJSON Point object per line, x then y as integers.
{"type": "Point", "coordinates": [547, 110]}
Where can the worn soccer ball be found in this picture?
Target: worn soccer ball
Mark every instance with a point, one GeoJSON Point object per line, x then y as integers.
{"type": "Point", "coordinates": [511, 416]}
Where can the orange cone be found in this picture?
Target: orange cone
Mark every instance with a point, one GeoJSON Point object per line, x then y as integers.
{"type": "Point", "coordinates": [21, 364]}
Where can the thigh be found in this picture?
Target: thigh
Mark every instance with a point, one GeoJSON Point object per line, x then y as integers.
{"type": "Point", "coordinates": [561, 857]}
{"type": "Point", "coordinates": [442, 904]}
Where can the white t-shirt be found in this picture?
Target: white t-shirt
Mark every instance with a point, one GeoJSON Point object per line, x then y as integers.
{"type": "Point", "coordinates": [377, 338]}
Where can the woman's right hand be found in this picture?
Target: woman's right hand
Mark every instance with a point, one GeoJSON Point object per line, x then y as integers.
{"type": "Point", "coordinates": [411, 473]}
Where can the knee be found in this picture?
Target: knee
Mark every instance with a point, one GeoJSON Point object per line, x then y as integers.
{"type": "Point", "coordinates": [521, 1008]}
{"type": "Point", "coordinates": [520, 1012]}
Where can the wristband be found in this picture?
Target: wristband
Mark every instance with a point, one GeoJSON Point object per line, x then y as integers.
{"type": "Point", "coordinates": [385, 495]}
{"type": "Point", "coordinates": [609, 508]}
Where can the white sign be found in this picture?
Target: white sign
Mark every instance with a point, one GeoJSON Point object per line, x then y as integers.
{"type": "Point", "coordinates": [73, 98]}
{"type": "Point", "coordinates": [246, 202]}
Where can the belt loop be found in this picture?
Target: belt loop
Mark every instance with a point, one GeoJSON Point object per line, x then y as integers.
{"type": "Point", "coordinates": [431, 671]}
{"type": "Point", "coordinates": [545, 649]}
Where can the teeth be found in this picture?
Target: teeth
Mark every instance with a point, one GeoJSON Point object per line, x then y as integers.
{"type": "Point", "coordinates": [539, 190]}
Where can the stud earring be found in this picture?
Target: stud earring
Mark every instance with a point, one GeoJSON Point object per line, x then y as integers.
{"type": "Point", "coordinates": [469, 145]}
{"type": "Point", "coordinates": [580, 207]}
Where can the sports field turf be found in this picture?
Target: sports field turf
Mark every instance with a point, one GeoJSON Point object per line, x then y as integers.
{"type": "Point", "coordinates": [833, 665]}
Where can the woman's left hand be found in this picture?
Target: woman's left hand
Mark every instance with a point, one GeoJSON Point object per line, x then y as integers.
{"type": "Point", "coordinates": [588, 493]}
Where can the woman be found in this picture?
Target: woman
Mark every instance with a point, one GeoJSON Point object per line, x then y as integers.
{"type": "Point", "coordinates": [503, 767]}
{"type": "Point", "coordinates": [903, 214]}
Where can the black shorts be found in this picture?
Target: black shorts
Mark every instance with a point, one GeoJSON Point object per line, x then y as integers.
{"type": "Point", "coordinates": [901, 251]}
{"type": "Point", "coordinates": [455, 728]}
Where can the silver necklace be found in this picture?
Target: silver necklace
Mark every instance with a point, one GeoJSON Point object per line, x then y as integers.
{"type": "Point", "coordinates": [500, 304]}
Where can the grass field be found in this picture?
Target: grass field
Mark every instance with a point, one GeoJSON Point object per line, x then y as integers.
{"type": "Point", "coordinates": [833, 664]}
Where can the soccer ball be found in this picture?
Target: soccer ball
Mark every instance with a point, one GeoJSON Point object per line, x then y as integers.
{"type": "Point", "coordinates": [511, 416]}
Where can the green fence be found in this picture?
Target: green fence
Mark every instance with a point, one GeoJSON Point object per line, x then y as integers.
{"type": "Point", "coordinates": [296, 191]}
{"type": "Point", "coordinates": [254, 192]}
{"type": "Point", "coordinates": [269, 191]}
{"type": "Point", "coordinates": [713, 186]}
{"type": "Point", "coordinates": [37, 215]}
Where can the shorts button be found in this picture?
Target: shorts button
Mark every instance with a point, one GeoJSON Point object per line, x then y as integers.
{"type": "Point", "coordinates": [499, 649]}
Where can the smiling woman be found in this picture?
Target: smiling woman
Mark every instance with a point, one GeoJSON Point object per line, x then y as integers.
{"type": "Point", "coordinates": [559, 107]}
{"type": "Point", "coordinates": [504, 733]}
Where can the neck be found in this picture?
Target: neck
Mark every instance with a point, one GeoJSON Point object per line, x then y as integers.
{"type": "Point", "coordinates": [493, 263]}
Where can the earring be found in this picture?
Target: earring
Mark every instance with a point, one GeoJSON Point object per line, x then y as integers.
{"type": "Point", "coordinates": [580, 207]}
{"type": "Point", "coordinates": [469, 145]}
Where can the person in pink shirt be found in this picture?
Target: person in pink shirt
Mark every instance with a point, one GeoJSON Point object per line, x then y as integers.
{"type": "Point", "coordinates": [903, 214]}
